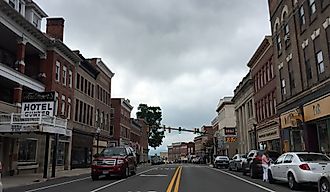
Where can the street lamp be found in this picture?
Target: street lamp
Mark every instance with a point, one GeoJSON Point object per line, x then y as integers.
{"type": "Point", "coordinates": [98, 131]}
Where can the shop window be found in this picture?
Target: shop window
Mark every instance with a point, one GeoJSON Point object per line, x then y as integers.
{"type": "Point", "coordinates": [323, 133]}
{"type": "Point", "coordinates": [27, 150]}
{"type": "Point", "coordinates": [60, 159]}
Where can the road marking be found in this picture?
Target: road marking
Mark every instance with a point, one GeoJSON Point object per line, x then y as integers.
{"type": "Point", "coordinates": [143, 175]}
{"type": "Point", "coordinates": [56, 185]}
{"type": "Point", "coordinates": [119, 181]}
{"type": "Point", "coordinates": [170, 186]}
{"type": "Point", "coordinates": [245, 180]}
{"type": "Point", "coordinates": [177, 184]}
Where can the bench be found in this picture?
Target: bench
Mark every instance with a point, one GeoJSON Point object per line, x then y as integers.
{"type": "Point", "coordinates": [27, 166]}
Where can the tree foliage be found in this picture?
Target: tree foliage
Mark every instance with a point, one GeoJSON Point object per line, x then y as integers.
{"type": "Point", "coordinates": [153, 116]}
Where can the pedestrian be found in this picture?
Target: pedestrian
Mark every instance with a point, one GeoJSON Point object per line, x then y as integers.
{"type": "Point", "coordinates": [265, 163]}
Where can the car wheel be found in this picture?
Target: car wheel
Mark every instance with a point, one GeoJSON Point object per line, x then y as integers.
{"type": "Point", "coordinates": [94, 177]}
{"type": "Point", "coordinates": [126, 172]}
{"type": "Point", "coordinates": [134, 170]}
{"type": "Point", "coordinates": [243, 170]}
{"type": "Point", "coordinates": [292, 182]}
{"type": "Point", "coordinates": [324, 185]}
{"type": "Point", "coordinates": [270, 177]}
{"type": "Point", "coordinates": [229, 168]}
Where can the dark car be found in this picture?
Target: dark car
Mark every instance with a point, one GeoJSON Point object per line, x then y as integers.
{"type": "Point", "coordinates": [114, 161]}
{"type": "Point", "coordinates": [236, 162]}
{"type": "Point", "coordinates": [252, 163]}
{"type": "Point", "coordinates": [221, 161]}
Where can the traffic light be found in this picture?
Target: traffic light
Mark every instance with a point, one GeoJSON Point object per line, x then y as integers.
{"type": "Point", "coordinates": [196, 130]}
{"type": "Point", "coordinates": [164, 128]}
{"type": "Point", "coordinates": [180, 130]}
{"type": "Point", "coordinates": [169, 130]}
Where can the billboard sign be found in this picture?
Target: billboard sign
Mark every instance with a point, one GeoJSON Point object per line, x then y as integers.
{"type": "Point", "coordinates": [230, 131]}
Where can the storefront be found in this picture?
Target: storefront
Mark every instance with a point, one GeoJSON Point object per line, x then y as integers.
{"type": "Point", "coordinates": [317, 121]}
{"type": "Point", "coordinates": [269, 138]}
{"type": "Point", "coordinates": [292, 134]}
{"type": "Point", "coordinates": [81, 149]}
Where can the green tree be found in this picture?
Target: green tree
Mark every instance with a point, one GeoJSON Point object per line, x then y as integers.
{"type": "Point", "coordinates": [153, 116]}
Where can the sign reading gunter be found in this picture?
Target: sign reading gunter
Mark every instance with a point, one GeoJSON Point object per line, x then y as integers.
{"type": "Point", "coordinates": [38, 104]}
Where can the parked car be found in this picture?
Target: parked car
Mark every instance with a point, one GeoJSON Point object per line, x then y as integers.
{"type": "Point", "coordinates": [299, 167]}
{"type": "Point", "coordinates": [1, 187]}
{"type": "Point", "coordinates": [252, 163]}
{"type": "Point", "coordinates": [114, 161]}
{"type": "Point", "coordinates": [156, 160]}
{"type": "Point", "coordinates": [323, 183]}
{"type": "Point", "coordinates": [221, 161]}
{"type": "Point", "coordinates": [236, 162]}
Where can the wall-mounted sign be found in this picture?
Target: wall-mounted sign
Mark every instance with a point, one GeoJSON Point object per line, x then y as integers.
{"type": "Point", "coordinates": [230, 139]}
{"type": "Point", "coordinates": [317, 109]}
{"type": "Point", "coordinates": [290, 118]}
{"type": "Point", "coordinates": [38, 104]}
{"type": "Point", "coordinates": [230, 131]}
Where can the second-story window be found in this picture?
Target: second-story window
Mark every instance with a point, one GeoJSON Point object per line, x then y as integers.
{"type": "Point", "coordinates": [286, 35]}
{"type": "Point", "coordinates": [57, 71]}
{"type": "Point", "coordinates": [320, 63]}
{"type": "Point", "coordinates": [70, 78]}
{"type": "Point", "coordinates": [69, 108]}
{"type": "Point", "coordinates": [64, 76]}
{"type": "Point", "coordinates": [12, 3]}
{"type": "Point", "coordinates": [312, 7]}
{"type": "Point", "coordinates": [63, 105]}
{"type": "Point", "coordinates": [302, 15]}
{"type": "Point", "coordinates": [278, 44]}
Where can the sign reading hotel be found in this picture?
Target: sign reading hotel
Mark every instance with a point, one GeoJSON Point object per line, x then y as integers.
{"type": "Point", "coordinates": [38, 104]}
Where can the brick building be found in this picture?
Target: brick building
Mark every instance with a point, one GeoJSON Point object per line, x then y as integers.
{"type": "Point", "coordinates": [264, 83]}
{"type": "Point", "coordinates": [144, 140]}
{"type": "Point", "coordinates": [301, 36]}
{"type": "Point", "coordinates": [121, 121]}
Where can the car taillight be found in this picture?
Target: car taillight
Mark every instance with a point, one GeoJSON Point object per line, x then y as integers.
{"type": "Point", "coordinates": [304, 166]}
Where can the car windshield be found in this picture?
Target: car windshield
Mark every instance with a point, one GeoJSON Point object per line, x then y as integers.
{"type": "Point", "coordinates": [222, 157]}
{"type": "Point", "coordinates": [312, 157]}
{"type": "Point", "coordinates": [113, 152]}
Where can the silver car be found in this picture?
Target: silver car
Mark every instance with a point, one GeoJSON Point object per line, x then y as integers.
{"type": "Point", "coordinates": [236, 162]}
{"type": "Point", "coordinates": [298, 167]}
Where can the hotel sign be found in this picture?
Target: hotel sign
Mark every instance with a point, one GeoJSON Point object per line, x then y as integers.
{"type": "Point", "coordinates": [317, 109]}
{"type": "Point", "coordinates": [35, 105]}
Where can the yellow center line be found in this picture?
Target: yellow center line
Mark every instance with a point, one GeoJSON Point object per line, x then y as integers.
{"type": "Point", "coordinates": [170, 186]}
{"type": "Point", "coordinates": [177, 183]}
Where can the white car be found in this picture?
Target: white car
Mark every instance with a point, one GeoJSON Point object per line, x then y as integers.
{"type": "Point", "coordinates": [299, 167]}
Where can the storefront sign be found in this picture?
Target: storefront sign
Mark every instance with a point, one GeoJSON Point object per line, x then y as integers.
{"type": "Point", "coordinates": [317, 109]}
{"type": "Point", "coordinates": [230, 131]}
{"type": "Point", "coordinates": [37, 109]}
{"type": "Point", "coordinates": [289, 119]}
{"type": "Point", "coordinates": [268, 134]}
{"type": "Point", "coordinates": [230, 139]}
{"type": "Point", "coordinates": [38, 104]}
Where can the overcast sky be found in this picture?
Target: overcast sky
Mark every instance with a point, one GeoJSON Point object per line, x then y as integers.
{"type": "Point", "coordinates": [181, 55]}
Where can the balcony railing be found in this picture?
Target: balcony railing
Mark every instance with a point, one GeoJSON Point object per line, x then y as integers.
{"type": "Point", "coordinates": [16, 123]}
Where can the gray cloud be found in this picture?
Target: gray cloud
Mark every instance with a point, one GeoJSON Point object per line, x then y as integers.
{"type": "Point", "coordinates": [182, 55]}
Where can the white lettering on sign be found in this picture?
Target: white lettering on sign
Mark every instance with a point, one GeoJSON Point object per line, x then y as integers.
{"type": "Point", "coordinates": [37, 109]}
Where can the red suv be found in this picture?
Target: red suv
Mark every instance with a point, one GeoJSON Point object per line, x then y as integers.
{"type": "Point", "coordinates": [114, 161]}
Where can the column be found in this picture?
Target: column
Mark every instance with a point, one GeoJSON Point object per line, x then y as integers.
{"type": "Point", "coordinates": [20, 67]}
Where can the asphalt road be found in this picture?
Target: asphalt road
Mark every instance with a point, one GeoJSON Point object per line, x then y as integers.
{"type": "Point", "coordinates": [163, 178]}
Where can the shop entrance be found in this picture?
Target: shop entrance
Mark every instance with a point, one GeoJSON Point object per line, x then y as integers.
{"type": "Point", "coordinates": [312, 143]}
{"type": "Point", "coordinates": [323, 134]}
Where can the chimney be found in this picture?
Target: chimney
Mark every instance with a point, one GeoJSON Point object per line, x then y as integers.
{"type": "Point", "coordinates": [55, 28]}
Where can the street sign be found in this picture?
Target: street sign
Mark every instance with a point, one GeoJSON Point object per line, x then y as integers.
{"type": "Point", "coordinates": [230, 139]}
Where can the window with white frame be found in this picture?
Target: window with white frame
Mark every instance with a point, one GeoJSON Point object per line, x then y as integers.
{"type": "Point", "coordinates": [70, 78]}
{"type": "Point", "coordinates": [36, 20]}
{"type": "Point", "coordinates": [69, 108]}
{"type": "Point", "coordinates": [12, 3]}
{"type": "Point", "coordinates": [286, 35]}
{"type": "Point", "coordinates": [312, 7]}
{"type": "Point", "coordinates": [63, 105]}
{"type": "Point", "coordinates": [283, 87]}
{"type": "Point", "coordinates": [57, 71]}
{"type": "Point", "coordinates": [319, 61]}
{"type": "Point", "coordinates": [278, 44]}
{"type": "Point", "coordinates": [64, 75]}
{"type": "Point", "coordinates": [56, 103]}
{"type": "Point", "coordinates": [302, 15]}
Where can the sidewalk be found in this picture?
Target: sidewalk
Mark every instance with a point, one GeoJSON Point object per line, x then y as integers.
{"type": "Point", "coordinates": [28, 179]}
